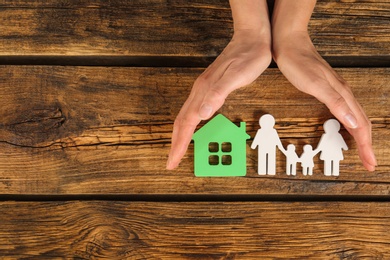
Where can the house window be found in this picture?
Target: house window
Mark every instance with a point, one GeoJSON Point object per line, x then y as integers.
{"type": "Point", "coordinates": [213, 159]}
{"type": "Point", "coordinates": [226, 159]}
{"type": "Point", "coordinates": [213, 147]}
{"type": "Point", "coordinates": [220, 153]}
{"type": "Point", "coordinates": [226, 147]}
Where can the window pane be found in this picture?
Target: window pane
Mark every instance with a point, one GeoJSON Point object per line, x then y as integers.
{"type": "Point", "coordinates": [226, 147]}
{"type": "Point", "coordinates": [213, 147]}
{"type": "Point", "coordinates": [213, 159]}
{"type": "Point", "coordinates": [226, 160]}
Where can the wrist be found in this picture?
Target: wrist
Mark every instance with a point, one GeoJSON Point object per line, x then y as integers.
{"type": "Point", "coordinates": [253, 35]}
{"type": "Point", "coordinates": [250, 18]}
{"type": "Point", "coordinates": [285, 43]}
{"type": "Point", "coordinates": [290, 19]}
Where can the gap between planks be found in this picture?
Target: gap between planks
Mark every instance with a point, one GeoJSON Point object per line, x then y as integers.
{"type": "Point", "coordinates": [169, 61]}
{"type": "Point", "coordinates": [194, 198]}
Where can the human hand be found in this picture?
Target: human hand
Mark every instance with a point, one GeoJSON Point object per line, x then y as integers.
{"type": "Point", "coordinates": [246, 56]}
{"type": "Point", "coordinates": [281, 148]}
{"type": "Point", "coordinates": [301, 64]}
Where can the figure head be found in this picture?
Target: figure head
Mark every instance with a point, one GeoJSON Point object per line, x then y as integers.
{"type": "Point", "coordinates": [331, 126]}
{"type": "Point", "coordinates": [290, 147]}
{"type": "Point", "coordinates": [267, 121]}
{"type": "Point", "coordinates": [307, 148]}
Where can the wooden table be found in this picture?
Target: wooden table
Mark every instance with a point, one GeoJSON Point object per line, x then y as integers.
{"type": "Point", "coordinates": [89, 92]}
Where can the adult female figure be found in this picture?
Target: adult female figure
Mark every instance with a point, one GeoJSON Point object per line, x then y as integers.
{"type": "Point", "coordinates": [331, 146]}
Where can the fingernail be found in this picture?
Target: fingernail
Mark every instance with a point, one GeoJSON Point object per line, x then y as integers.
{"type": "Point", "coordinates": [351, 121]}
{"type": "Point", "coordinates": [205, 111]}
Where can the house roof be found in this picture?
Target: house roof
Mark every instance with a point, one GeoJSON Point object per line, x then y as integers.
{"type": "Point", "coordinates": [221, 127]}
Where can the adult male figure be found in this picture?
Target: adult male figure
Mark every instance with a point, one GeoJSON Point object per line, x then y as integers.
{"type": "Point", "coordinates": [267, 139]}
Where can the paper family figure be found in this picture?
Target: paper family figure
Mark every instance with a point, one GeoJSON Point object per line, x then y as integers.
{"type": "Point", "coordinates": [291, 160]}
{"type": "Point", "coordinates": [306, 159]}
{"type": "Point", "coordinates": [220, 148]}
{"type": "Point", "coordinates": [330, 146]}
{"type": "Point", "coordinates": [266, 140]}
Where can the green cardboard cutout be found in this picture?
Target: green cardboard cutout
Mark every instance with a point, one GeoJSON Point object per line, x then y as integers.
{"type": "Point", "coordinates": [220, 149]}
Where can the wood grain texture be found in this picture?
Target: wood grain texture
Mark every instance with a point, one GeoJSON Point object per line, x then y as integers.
{"type": "Point", "coordinates": [215, 230]}
{"type": "Point", "coordinates": [80, 133]}
{"type": "Point", "coordinates": [94, 130]}
{"type": "Point", "coordinates": [175, 28]}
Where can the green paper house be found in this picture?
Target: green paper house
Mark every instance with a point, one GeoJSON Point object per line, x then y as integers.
{"type": "Point", "coordinates": [220, 148]}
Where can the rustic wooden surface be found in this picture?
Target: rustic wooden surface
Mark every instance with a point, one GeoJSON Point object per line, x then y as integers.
{"type": "Point", "coordinates": [175, 28]}
{"type": "Point", "coordinates": [89, 91]}
{"type": "Point", "coordinates": [72, 123]}
{"type": "Point", "coordinates": [200, 230]}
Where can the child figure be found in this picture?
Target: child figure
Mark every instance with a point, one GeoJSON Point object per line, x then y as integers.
{"type": "Point", "coordinates": [307, 159]}
{"type": "Point", "coordinates": [291, 160]}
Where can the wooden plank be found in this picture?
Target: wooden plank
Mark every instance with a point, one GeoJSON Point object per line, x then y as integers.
{"type": "Point", "coordinates": [349, 28]}
{"type": "Point", "coordinates": [208, 230]}
{"type": "Point", "coordinates": [95, 130]}
{"type": "Point", "coordinates": [175, 28]}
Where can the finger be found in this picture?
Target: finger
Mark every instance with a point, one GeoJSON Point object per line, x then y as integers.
{"type": "Point", "coordinates": [363, 138]}
{"type": "Point", "coordinates": [183, 128]}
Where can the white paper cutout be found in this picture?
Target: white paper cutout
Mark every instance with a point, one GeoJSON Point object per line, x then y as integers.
{"type": "Point", "coordinates": [291, 160]}
{"type": "Point", "coordinates": [307, 161]}
{"type": "Point", "coordinates": [330, 147]}
{"type": "Point", "coordinates": [267, 139]}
